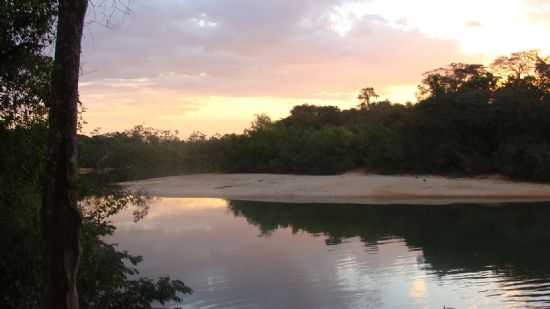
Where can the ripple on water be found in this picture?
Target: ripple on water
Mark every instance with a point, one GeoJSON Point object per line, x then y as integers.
{"type": "Point", "coordinates": [266, 255]}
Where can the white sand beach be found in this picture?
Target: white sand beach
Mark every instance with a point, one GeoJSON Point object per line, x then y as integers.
{"type": "Point", "coordinates": [347, 188]}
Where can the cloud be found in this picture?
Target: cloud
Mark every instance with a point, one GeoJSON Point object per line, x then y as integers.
{"type": "Point", "coordinates": [240, 48]}
{"type": "Point", "coordinates": [177, 53]}
{"type": "Point", "coordinates": [507, 26]}
{"type": "Point", "coordinates": [472, 23]}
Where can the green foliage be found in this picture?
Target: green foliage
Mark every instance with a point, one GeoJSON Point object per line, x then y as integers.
{"type": "Point", "coordinates": [525, 158]}
{"type": "Point", "coordinates": [145, 152]}
{"type": "Point", "coordinates": [108, 277]}
{"type": "Point", "coordinates": [383, 149]}
{"type": "Point", "coordinates": [26, 30]}
{"type": "Point", "coordinates": [20, 220]}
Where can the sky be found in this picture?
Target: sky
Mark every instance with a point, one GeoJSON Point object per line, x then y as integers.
{"type": "Point", "coordinates": [211, 65]}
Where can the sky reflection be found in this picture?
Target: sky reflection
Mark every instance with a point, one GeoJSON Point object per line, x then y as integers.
{"type": "Point", "coordinates": [231, 262]}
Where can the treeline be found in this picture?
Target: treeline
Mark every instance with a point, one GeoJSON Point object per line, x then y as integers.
{"type": "Point", "coordinates": [145, 152]}
{"type": "Point", "coordinates": [470, 119]}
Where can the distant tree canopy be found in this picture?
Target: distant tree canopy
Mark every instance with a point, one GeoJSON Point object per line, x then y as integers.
{"type": "Point", "coordinates": [470, 119]}
{"type": "Point", "coordinates": [365, 97]}
{"type": "Point", "coordinates": [517, 65]}
{"type": "Point", "coordinates": [458, 78]}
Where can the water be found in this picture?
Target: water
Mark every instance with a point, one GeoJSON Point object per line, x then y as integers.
{"type": "Point", "coordinates": [266, 255]}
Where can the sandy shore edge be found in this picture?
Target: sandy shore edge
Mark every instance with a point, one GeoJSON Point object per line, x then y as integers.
{"type": "Point", "coordinates": [343, 189]}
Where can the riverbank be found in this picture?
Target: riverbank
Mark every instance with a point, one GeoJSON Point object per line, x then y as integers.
{"type": "Point", "coordinates": [350, 188]}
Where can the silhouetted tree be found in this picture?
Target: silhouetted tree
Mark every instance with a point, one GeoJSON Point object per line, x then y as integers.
{"type": "Point", "coordinates": [261, 122]}
{"type": "Point", "coordinates": [60, 214]}
{"type": "Point", "coordinates": [26, 29]}
{"type": "Point", "coordinates": [543, 73]}
{"type": "Point", "coordinates": [457, 78]}
{"type": "Point", "coordinates": [365, 97]}
{"type": "Point", "coordinates": [517, 65]}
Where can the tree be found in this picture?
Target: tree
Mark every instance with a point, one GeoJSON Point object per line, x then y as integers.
{"type": "Point", "coordinates": [365, 96]}
{"type": "Point", "coordinates": [262, 122]}
{"type": "Point", "coordinates": [26, 29]}
{"type": "Point", "coordinates": [61, 218]}
{"type": "Point", "coordinates": [457, 78]}
{"type": "Point", "coordinates": [311, 116]}
{"type": "Point", "coordinates": [543, 74]}
{"type": "Point", "coordinates": [517, 65]}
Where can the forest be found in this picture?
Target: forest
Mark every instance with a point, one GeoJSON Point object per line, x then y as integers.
{"type": "Point", "coordinates": [470, 119]}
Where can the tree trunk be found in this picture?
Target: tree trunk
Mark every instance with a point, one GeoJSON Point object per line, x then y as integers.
{"type": "Point", "coordinates": [60, 214]}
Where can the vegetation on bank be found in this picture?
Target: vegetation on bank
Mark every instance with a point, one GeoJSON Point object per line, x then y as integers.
{"type": "Point", "coordinates": [108, 277]}
{"type": "Point", "coordinates": [470, 119]}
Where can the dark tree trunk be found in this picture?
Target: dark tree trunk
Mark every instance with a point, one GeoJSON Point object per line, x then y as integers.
{"type": "Point", "coordinates": [60, 214]}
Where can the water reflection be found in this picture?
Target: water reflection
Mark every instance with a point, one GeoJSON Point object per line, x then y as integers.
{"type": "Point", "coordinates": [267, 255]}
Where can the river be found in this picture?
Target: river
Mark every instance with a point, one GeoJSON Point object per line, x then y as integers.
{"type": "Point", "coordinates": [274, 255]}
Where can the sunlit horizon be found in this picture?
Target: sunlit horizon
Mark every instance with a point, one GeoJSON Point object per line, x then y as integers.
{"type": "Point", "coordinates": [204, 66]}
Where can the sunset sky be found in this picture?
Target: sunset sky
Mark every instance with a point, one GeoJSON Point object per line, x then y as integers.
{"type": "Point", "coordinates": [210, 65]}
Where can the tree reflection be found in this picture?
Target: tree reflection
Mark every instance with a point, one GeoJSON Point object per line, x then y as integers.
{"type": "Point", "coordinates": [109, 277]}
{"type": "Point", "coordinates": [511, 240]}
{"type": "Point", "coordinates": [99, 208]}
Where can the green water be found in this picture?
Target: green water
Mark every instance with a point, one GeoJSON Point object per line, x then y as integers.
{"type": "Point", "coordinates": [265, 255]}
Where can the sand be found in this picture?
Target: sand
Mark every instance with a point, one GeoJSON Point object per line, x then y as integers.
{"type": "Point", "coordinates": [354, 188]}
